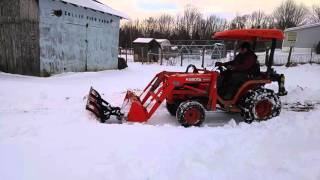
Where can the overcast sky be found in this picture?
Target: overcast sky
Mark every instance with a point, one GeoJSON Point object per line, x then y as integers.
{"type": "Point", "coordinates": [224, 8]}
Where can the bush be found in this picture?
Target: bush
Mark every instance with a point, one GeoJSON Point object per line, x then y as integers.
{"type": "Point", "coordinates": [318, 48]}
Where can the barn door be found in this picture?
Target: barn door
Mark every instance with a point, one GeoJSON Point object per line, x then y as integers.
{"type": "Point", "coordinates": [97, 49]}
{"type": "Point", "coordinates": [74, 54]}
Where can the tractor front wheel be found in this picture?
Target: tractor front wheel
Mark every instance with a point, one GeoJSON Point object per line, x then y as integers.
{"type": "Point", "coordinates": [190, 113]}
{"type": "Point", "coordinates": [259, 105]}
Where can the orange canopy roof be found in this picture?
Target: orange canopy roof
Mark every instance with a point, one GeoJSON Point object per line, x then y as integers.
{"type": "Point", "coordinates": [250, 34]}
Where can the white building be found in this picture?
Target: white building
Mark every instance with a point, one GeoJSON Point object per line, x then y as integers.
{"type": "Point", "coordinates": [307, 37]}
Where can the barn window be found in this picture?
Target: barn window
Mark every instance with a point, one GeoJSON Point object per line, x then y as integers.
{"type": "Point", "coordinates": [57, 13]}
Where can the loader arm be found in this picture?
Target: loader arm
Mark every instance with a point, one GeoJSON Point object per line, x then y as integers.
{"type": "Point", "coordinates": [135, 108]}
{"type": "Point", "coordinates": [145, 105]}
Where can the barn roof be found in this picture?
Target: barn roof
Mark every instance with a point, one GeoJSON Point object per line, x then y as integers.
{"type": "Point", "coordinates": [97, 5]}
{"type": "Point", "coordinates": [302, 27]}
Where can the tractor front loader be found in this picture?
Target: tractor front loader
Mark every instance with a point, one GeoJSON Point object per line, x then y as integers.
{"type": "Point", "coordinates": [190, 94]}
{"type": "Point", "coordinates": [167, 86]}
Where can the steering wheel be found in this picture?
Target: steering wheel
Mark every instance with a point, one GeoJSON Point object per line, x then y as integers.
{"type": "Point", "coordinates": [195, 69]}
{"type": "Point", "coordinates": [220, 68]}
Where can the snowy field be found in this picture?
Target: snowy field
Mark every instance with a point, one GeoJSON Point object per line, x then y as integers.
{"type": "Point", "coordinates": [46, 133]}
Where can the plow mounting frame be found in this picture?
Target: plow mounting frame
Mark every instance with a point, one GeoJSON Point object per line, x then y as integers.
{"type": "Point", "coordinates": [101, 108]}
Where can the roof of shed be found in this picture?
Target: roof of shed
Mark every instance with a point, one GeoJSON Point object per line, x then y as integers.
{"type": "Point", "coordinates": [162, 40]}
{"type": "Point", "coordinates": [143, 40]}
{"type": "Point", "coordinates": [97, 5]}
{"type": "Point", "coordinates": [302, 27]}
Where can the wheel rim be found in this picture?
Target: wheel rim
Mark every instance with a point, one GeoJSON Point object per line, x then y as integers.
{"type": "Point", "coordinates": [263, 109]}
{"type": "Point", "coordinates": [192, 116]}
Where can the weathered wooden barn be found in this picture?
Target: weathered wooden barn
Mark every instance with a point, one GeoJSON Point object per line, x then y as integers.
{"type": "Point", "coordinates": [43, 37]}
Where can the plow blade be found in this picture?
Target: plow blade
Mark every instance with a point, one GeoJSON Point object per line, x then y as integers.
{"type": "Point", "coordinates": [101, 108]}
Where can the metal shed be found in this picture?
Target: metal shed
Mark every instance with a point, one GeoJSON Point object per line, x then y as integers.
{"type": "Point", "coordinates": [146, 50]}
{"type": "Point", "coordinates": [43, 37]}
{"type": "Point", "coordinates": [306, 37]}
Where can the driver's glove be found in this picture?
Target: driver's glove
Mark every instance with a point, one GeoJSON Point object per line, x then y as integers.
{"type": "Point", "coordinates": [229, 67]}
{"type": "Point", "coordinates": [219, 64]}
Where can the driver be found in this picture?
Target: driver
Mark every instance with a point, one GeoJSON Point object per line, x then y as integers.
{"type": "Point", "coordinates": [244, 66]}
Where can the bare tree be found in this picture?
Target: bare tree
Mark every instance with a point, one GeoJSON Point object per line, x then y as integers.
{"type": "Point", "coordinates": [215, 24]}
{"type": "Point", "coordinates": [315, 14]}
{"type": "Point", "coordinates": [269, 22]}
{"type": "Point", "coordinates": [240, 22]}
{"type": "Point", "coordinates": [191, 17]}
{"type": "Point", "coordinates": [256, 19]}
{"type": "Point", "coordinates": [165, 24]}
{"type": "Point", "coordinates": [149, 26]}
{"type": "Point", "coordinates": [289, 14]}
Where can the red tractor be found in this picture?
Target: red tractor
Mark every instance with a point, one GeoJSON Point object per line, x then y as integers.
{"type": "Point", "coordinates": [189, 95]}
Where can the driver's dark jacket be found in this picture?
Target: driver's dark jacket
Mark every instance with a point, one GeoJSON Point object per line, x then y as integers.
{"type": "Point", "coordinates": [245, 63]}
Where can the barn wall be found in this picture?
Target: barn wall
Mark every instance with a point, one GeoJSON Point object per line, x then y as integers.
{"type": "Point", "coordinates": [79, 40]}
{"type": "Point", "coordinates": [19, 37]}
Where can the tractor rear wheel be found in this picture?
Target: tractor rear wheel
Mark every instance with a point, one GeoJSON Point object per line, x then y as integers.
{"type": "Point", "coordinates": [261, 104]}
{"type": "Point", "coordinates": [172, 108]}
{"type": "Point", "coordinates": [190, 113]}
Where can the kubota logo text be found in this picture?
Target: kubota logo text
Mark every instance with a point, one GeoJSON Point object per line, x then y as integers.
{"type": "Point", "coordinates": [194, 79]}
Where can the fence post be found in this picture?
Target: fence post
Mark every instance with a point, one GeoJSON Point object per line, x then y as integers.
{"type": "Point", "coordinates": [289, 57]}
{"type": "Point", "coordinates": [161, 57]}
{"type": "Point", "coordinates": [181, 59]}
{"type": "Point", "coordinates": [127, 54]}
{"type": "Point", "coordinates": [203, 52]}
{"type": "Point", "coordinates": [267, 56]}
{"type": "Point", "coordinates": [235, 48]}
{"type": "Point", "coordinates": [311, 56]}
{"type": "Point", "coordinates": [142, 53]}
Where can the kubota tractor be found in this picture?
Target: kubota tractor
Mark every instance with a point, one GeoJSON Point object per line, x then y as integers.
{"type": "Point", "coordinates": [190, 94]}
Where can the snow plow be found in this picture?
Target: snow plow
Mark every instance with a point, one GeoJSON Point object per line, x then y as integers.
{"type": "Point", "coordinates": [190, 94]}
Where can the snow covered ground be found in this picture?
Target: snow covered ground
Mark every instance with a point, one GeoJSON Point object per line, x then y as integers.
{"type": "Point", "coordinates": [46, 133]}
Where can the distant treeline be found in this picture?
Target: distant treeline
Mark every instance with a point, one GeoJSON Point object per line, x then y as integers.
{"type": "Point", "coordinates": [193, 25]}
